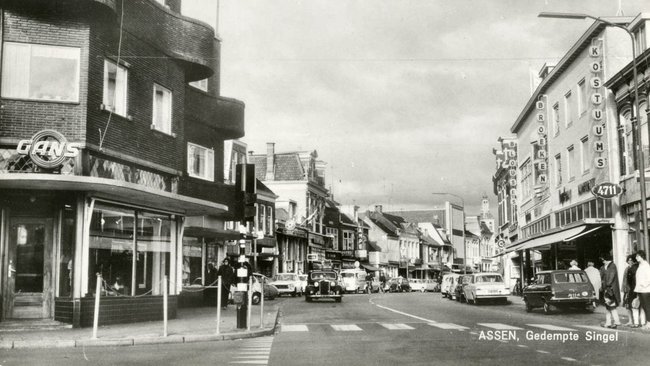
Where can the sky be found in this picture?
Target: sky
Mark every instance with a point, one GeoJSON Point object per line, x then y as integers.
{"type": "Point", "coordinates": [400, 98]}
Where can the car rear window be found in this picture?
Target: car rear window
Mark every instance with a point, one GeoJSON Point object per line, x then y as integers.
{"type": "Point", "coordinates": [286, 277]}
{"type": "Point", "coordinates": [323, 275]}
{"type": "Point", "coordinates": [570, 277]}
{"type": "Point", "coordinates": [347, 275]}
{"type": "Point", "coordinates": [489, 278]}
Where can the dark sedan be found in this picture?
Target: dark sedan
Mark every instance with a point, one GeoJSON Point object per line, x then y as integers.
{"type": "Point", "coordinates": [560, 289]}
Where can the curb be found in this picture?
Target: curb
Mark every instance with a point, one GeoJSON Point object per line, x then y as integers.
{"type": "Point", "coordinates": [135, 341]}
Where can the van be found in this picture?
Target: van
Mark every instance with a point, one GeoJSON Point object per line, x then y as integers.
{"type": "Point", "coordinates": [448, 285]}
{"type": "Point", "coordinates": [353, 280]}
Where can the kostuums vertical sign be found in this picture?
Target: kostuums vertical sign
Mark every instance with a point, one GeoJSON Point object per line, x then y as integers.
{"type": "Point", "coordinates": [597, 114]}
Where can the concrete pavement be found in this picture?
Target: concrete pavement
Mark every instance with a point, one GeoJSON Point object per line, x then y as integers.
{"type": "Point", "coordinates": [191, 325]}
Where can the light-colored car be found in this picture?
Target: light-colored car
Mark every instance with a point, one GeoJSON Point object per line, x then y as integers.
{"type": "Point", "coordinates": [485, 286]}
{"type": "Point", "coordinates": [288, 283]}
{"type": "Point", "coordinates": [449, 285]}
{"type": "Point", "coordinates": [353, 280]}
{"type": "Point", "coordinates": [270, 291]}
{"type": "Point", "coordinates": [417, 284]}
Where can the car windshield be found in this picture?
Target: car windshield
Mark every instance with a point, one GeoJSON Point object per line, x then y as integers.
{"type": "Point", "coordinates": [347, 275]}
{"type": "Point", "coordinates": [284, 277]}
{"type": "Point", "coordinates": [570, 277]}
{"type": "Point", "coordinates": [302, 277]}
{"type": "Point", "coordinates": [489, 278]}
{"type": "Point", "coordinates": [317, 276]}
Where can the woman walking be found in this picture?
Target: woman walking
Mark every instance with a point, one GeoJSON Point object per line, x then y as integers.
{"type": "Point", "coordinates": [643, 286]}
{"type": "Point", "coordinates": [629, 296]}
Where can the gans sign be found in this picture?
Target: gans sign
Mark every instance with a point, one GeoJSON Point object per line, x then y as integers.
{"type": "Point", "coordinates": [48, 149]}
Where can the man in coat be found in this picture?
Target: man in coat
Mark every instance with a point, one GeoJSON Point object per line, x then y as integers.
{"type": "Point", "coordinates": [227, 274]}
{"type": "Point", "coordinates": [611, 292]}
{"type": "Point", "coordinates": [594, 277]}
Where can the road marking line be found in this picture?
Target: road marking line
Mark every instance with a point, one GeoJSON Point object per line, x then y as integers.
{"type": "Point", "coordinates": [448, 326]}
{"type": "Point", "coordinates": [544, 352]}
{"type": "Point", "coordinates": [345, 327]}
{"type": "Point", "coordinates": [256, 348]}
{"type": "Point", "coordinates": [595, 327]}
{"type": "Point", "coordinates": [260, 362]}
{"type": "Point", "coordinates": [294, 328]}
{"type": "Point", "coordinates": [473, 333]}
{"type": "Point", "coordinates": [252, 357]}
{"type": "Point", "coordinates": [499, 326]}
{"type": "Point", "coordinates": [522, 346]}
{"type": "Point", "coordinates": [551, 327]}
{"type": "Point", "coordinates": [569, 359]}
{"type": "Point", "coordinates": [403, 313]}
{"type": "Point", "coordinates": [396, 326]}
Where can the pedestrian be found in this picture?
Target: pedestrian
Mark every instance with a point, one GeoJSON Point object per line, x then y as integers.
{"type": "Point", "coordinates": [594, 277]}
{"type": "Point", "coordinates": [642, 287]}
{"type": "Point", "coordinates": [227, 278]}
{"type": "Point", "coordinates": [611, 292]}
{"type": "Point", "coordinates": [382, 280]}
{"type": "Point", "coordinates": [574, 265]}
{"type": "Point", "coordinates": [629, 296]}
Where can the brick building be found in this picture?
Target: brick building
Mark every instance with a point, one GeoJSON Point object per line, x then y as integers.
{"type": "Point", "coordinates": [112, 134]}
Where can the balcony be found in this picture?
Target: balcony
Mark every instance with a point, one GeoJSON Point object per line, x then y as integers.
{"type": "Point", "coordinates": [225, 115]}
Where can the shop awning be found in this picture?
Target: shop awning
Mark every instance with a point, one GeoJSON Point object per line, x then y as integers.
{"type": "Point", "coordinates": [369, 267]}
{"type": "Point", "coordinates": [585, 232]}
{"type": "Point", "coordinates": [546, 240]}
{"type": "Point", "coordinates": [209, 232]}
{"type": "Point", "coordinates": [115, 190]}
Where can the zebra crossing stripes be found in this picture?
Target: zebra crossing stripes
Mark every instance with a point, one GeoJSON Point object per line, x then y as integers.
{"type": "Point", "coordinates": [254, 352]}
{"type": "Point", "coordinates": [499, 326]}
{"type": "Point", "coordinates": [552, 327]}
{"type": "Point", "coordinates": [294, 328]}
{"type": "Point", "coordinates": [396, 326]}
{"type": "Point", "coordinates": [346, 327]}
{"type": "Point", "coordinates": [451, 326]}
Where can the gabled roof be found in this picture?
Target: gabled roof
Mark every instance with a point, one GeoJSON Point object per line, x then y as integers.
{"type": "Point", "coordinates": [287, 166]}
{"type": "Point", "coordinates": [382, 223]}
{"type": "Point", "coordinates": [418, 216]}
{"type": "Point", "coordinates": [281, 214]}
{"type": "Point", "coordinates": [347, 220]}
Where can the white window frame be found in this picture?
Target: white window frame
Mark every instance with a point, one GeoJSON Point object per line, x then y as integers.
{"type": "Point", "coordinates": [582, 97]}
{"type": "Point", "coordinates": [269, 220]}
{"type": "Point", "coordinates": [571, 155]}
{"type": "Point", "coordinates": [526, 171]}
{"type": "Point", "coordinates": [208, 159]}
{"type": "Point", "coordinates": [558, 170]}
{"type": "Point", "coordinates": [200, 84]}
{"type": "Point", "coordinates": [162, 122]}
{"type": "Point", "coordinates": [16, 70]}
{"type": "Point", "coordinates": [568, 116]}
{"type": "Point", "coordinates": [120, 99]}
{"type": "Point", "coordinates": [585, 157]}
{"type": "Point", "coordinates": [556, 118]}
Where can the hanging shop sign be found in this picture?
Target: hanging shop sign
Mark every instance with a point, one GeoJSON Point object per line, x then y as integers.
{"type": "Point", "coordinates": [540, 149]}
{"type": "Point", "coordinates": [48, 149]}
{"type": "Point", "coordinates": [607, 190]}
{"type": "Point", "coordinates": [597, 101]}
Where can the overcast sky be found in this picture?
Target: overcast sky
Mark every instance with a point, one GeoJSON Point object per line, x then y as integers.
{"type": "Point", "coordinates": [400, 98]}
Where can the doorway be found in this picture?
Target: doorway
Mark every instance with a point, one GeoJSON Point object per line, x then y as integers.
{"type": "Point", "coordinates": [28, 281]}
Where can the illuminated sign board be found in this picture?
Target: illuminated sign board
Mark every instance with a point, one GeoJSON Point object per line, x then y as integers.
{"type": "Point", "coordinates": [48, 149]}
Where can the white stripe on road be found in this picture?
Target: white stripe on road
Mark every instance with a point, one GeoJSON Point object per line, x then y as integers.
{"type": "Point", "coordinates": [403, 313]}
{"type": "Point", "coordinates": [448, 326]}
{"type": "Point", "coordinates": [541, 351]}
{"type": "Point", "coordinates": [522, 346]}
{"type": "Point", "coordinates": [294, 328]}
{"type": "Point", "coordinates": [345, 327]}
{"type": "Point", "coordinates": [594, 327]}
{"type": "Point", "coordinates": [396, 326]}
{"type": "Point", "coordinates": [253, 357]}
{"type": "Point", "coordinates": [499, 326]}
{"type": "Point", "coordinates": [552, 327]}
{"type": "Point", "coordinates": [254, 362]}
{"type": "Point", "coordinates": [569, 359]}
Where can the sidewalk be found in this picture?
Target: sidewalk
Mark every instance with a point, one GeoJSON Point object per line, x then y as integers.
{"type": "Point", "coordinates": [191, 325]}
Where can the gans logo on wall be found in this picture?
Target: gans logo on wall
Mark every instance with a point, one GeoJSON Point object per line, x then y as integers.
{"type": "Point", "coordinates": [48, 149]}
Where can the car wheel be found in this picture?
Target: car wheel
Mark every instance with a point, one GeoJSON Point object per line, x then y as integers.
{"type": "Point", "coordinates": [256, 298]}
{"type": "Point", "coordinates": [547, 308]}
{"type": "Point", "coordinates": [294, 293]}
{"type": "Point", "coordinates": [307, 298]}
{"type": "Point", "coordinates": [529, 307]}
{"type": "Point", "coordinates": [338, 299]}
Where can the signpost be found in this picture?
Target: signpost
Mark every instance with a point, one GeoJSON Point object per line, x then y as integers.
{"type": "Point", "coordinates": [607, 190]}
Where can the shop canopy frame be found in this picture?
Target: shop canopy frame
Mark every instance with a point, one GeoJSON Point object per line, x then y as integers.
{"type": "Point", "coordinates": [544, 242]}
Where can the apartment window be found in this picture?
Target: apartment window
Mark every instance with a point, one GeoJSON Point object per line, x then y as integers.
{"type": "Point", "coordinates": [556, 119]}
{"type": "Point", "coordinates": [570, 163]}
{"type": "Point", "coordinates": [558, 169]}
{"type": "Point", "coordinates": [585, 155]}
{"type": "Point", "coordinates": [115, 88]}
{"type": "Point", "coordinates": [583, 97]}
{"type": "Point", "coordinates": [568, 117]}
{"type": "Point", "coordinates": [348, 240]}
{"type": "Point", "coordinates": [200, 84]}
{"type": "Point", "coordinates": [200, 162]}
{"type": "Point", "coordinates": [627, 154]}
{"type": "Point", "coordinates": [39, 72]}
{"type": "Point", "coordinates": [162, 109]}
{"type": "Point", "coordinates": [526, 179]}
{"type": "Point", "coordinates": [261, 222]}
{"type": "Point", "coordinates": [269, 220]}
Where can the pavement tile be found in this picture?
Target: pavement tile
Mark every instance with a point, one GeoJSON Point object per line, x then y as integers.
{"type": "Point", "coordinates": [176, 338]}
{"type": "Point", "coordinates": [44, 343]}
{"type": "Point", "coordinates": [203, 338]}
{"type": "Point", "coordinates": [104, 342]}
{"type": "Point", "coordinates": [6, 344]}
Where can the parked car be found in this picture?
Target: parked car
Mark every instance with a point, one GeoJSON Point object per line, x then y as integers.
{"type": "Point", "coordinates": [323, 284]}
{"type": "Point", "coordinates": [449, 285]}
{"type": "Point", "coordinates": [431, 286]}
{"type": "Point", "coordinates": [288, 284]}
{"type": "Point", "coordinates": [485, 286]}
{"type": "Point", "coordinates": [270, 291]}
{"type": "Point", "coordinates": [398, 284]}
{"type": "Point", "coordinates": [461, 282]}
{"type": "Point", "coordinates": [417, 284]}
{"type": "Point", "coordinates": [560, 289]}
{"type": "Point", "coordinates": [353, 280]}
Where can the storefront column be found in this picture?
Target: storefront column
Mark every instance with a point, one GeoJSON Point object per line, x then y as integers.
{"type": "Point", "coordinates": [85, 207]}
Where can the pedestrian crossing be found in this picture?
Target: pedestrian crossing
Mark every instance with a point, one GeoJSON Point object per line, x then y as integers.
{"type": "Point", "coordinates": [291, 328]}
{"type": "Point", "coordinates": [253, 352]}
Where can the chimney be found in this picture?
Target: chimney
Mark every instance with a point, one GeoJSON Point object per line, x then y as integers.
{"type": "Point", "coordinates": [378, 208]}
{"type": "Point", "coordinates": [270, 161]}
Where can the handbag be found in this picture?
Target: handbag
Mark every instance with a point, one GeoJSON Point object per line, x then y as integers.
{"type": "Point", "coordinates": [636, 303]}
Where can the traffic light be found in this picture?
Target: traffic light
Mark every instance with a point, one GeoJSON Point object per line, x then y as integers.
{"type": "Point", "coordinates": [246, 192]}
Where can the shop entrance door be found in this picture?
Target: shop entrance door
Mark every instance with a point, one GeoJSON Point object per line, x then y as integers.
{"type": "Point", "coordinates": [29, 264]}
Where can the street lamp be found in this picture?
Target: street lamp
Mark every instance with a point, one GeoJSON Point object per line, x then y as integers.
{"type": "Point", "coordinates": [452, 229]}
{"type": "Point", "coordinates": [635, 119]}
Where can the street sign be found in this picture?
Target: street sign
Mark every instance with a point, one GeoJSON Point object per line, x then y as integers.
{"type": "Point", "coordinates": [607, 190]}
{"type": "Point", "coordinates": [501, 243]}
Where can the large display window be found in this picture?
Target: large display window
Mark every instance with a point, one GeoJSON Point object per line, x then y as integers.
{"type": "Point", "coordinates": [131, 250]}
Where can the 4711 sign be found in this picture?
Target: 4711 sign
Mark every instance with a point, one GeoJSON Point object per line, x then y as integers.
{"type": "Point", "coordinates": [607, 190]}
